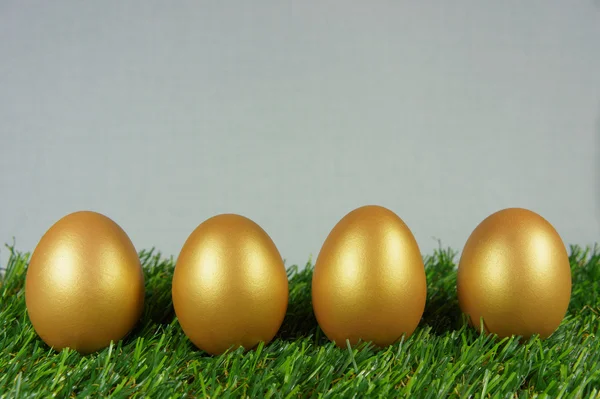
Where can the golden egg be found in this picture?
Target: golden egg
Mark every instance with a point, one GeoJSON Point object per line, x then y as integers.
{"type": "Point", "coordinates": [230, 286]}
{"type": "Point", "coordinates": [514, 276]}
{"type": "Point", "coordinates": [369, 279]}
{"type": "Point", "coordinates": [84, 285]}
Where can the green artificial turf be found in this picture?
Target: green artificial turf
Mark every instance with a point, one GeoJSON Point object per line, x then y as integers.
{"type": "Point", "coordinates": [443, 358]}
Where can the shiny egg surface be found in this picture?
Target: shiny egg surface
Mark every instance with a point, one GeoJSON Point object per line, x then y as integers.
{"type": "Point", "coordinates": [84, 285]}
{"type": "Point", "coordinates": [369, 279]}
{"type": "Point", "coordinates": [514, 276]}
{"type": "Point", "coordinates": [230, 286]}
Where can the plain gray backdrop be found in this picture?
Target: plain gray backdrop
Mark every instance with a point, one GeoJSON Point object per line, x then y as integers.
{"type": "Point", "coordinates": [163, 114]}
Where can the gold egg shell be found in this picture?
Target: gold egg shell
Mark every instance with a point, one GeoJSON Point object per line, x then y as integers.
{"type": "Point", "coordinates": [514, 273]}
{"type": "Point", "coordinates": [369, 279]}
{"type": "Point", "coordinates": [84, 285]}
{"type": "Point", "coordinates": [230, 286]}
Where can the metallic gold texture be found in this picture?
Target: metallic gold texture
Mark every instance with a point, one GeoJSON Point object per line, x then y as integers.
{"type": "Point", "coordinates": [514, 273]}
{"type": "Point", "coordinates": [369, 279]}
{"type": "Point", "coordinates": [84, 285]}
{"type": "Point", "coordinates": [230, 286]}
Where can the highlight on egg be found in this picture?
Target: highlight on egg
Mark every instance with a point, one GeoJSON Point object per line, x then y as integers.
{"type": "Point", "coordinates": [369, 280]}
{"type": "Point", "coordinates": [514, 276]}
{"type": "Point", "coordinates": [230, 285]}
{"type": "Point", "coordinates": [84, 285]}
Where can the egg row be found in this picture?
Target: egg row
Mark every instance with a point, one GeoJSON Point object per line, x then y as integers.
{"type": "Point", "coordinates": [85, 286]}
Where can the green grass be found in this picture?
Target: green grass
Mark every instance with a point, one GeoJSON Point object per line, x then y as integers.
{"type": "Point", "coordinates": [443, 358]}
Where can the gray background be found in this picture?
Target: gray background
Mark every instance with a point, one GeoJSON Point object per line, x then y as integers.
{"type": "Point", "coordinates": [163, 114]}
